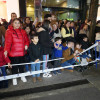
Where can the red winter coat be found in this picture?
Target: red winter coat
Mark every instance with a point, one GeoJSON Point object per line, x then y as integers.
{"type": "Point", "coordinates": [15, 41]}
{"type": "Point", "coordinates": [3, 60]}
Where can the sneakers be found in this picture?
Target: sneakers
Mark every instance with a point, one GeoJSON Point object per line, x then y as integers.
{"type": "Point", "coordinates": [14, 81]}
{"type": "Point", "coordinates": [23, 79]}
{"type": "Point", "coordinates": [47, 75]}
{"type": "Point", "coordinates": [54, 72]}
{"type": "Point", "coordinates": [59, 71]}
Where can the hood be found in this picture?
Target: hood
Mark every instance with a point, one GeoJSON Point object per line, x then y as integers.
{"type": "Point", "coordinates": [11, 27]}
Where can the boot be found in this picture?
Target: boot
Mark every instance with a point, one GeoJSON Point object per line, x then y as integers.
{"type": "Point", "coordinates": [39, 79]}
{"type": "Point", "coordinates": [34, 80]}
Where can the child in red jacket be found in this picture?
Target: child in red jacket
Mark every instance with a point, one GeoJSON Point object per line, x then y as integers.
{"type": "Point", "coordinates": [3, 61]}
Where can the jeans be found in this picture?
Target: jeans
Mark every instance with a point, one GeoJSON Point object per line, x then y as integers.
{"type": "Point", "coordinates": [45, 57]}
{"type": "Point", "coordinates": [3, 69]}
{"type": "Point", "coordinates": [68, 63]}
{"type": "Point", "coordinates": [35, 67]}
{"type": "Point", "coordinates": [27, 68]}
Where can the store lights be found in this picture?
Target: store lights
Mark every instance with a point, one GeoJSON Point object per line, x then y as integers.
{"type": "Point", "coordinates": [58, 1]}
{"type": "Point", "coordinates": [29, 5]}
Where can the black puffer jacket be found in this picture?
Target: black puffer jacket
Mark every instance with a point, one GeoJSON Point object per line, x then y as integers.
{"type": "Point", "coordinates": [44, 40]}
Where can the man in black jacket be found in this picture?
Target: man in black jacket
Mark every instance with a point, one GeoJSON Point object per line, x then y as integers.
{"type": "Point", "coordinates": [35, 53]}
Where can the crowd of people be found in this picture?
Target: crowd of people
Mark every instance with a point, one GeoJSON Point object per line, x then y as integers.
{"type": "Point", "coordinates": [23, 40]}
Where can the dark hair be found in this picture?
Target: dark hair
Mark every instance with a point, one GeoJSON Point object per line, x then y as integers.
{"type": "Point", "coordinates": [26, 27]}
{"type": "Point", "coordinates": [46, 24]}
{"type": "Point", "coordinates": [98, 21]}
{"type": "Point", "coordinates": [26, 18]}
{"type": "Point", "coordinates": [84, 36]}
{"type": "Point", "coordinates": [78, 43]}
{"type": "Point", "coordinates": [89, 20]}
{"type": "Point", "coordinates": [47, 15]}
{"type": "Point", "coordinates": [72, 22]}
{"type": "Point", "coordinates": [13, 13]}
{"type": "Point", "coordinates": [17, 20]}
{"type": "Point", "coordinates": [58, 38]}
{"type": "Point", "coordinates": [70, 39]}
{"type": "Point", "coordinates": [33, 35]}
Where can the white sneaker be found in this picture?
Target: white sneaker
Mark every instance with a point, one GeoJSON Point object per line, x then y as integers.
{"type": "Point", "coordinates": [23, 79]}
{"type": "Point", "coordinates": [89, 55]}
{"type": "Point", "coordinates": [47, 75]}
{"type": "Point", "coordinates": [14, 81]}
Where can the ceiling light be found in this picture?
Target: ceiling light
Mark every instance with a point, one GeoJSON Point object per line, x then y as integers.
{"type": "Point", "coordinates": [58, 1]}
{"type": "Point", "coordinates": [29, 5]}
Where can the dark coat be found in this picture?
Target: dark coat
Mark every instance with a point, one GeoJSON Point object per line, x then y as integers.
{"type": "Point", "coordinates": [35, 52]}
{"type": "Point", "coordinates": [44, 40]}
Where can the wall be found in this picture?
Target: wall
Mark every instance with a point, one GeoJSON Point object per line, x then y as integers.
{"type": "Point", "coordinates": [3, 10]}
{"type": "Point", "coordinates": [12, 6]}
{"type": "Point", "coordinates": [30, 12]}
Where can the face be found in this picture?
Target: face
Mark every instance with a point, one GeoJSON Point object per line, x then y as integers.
{"type": "Point", "coordinates": [49, 18]}
{"type": "Point", "coordinates": [27, 30]}
{"type": "Point", "coordinates": [16, 24]}
{"type": "Point", "coordinates": [33, 32]}
{"type": "Point", "coordinates": [35, 39]}
{"type": "Point", "coordinates": [59, 41]}
{"type": "Point", "coordinates": [27, 20]}
{"type": "Point", "coordinates": [68, 24]}
{"type": "Point", "coordinates": [13, 16]}
{"type": "Point", "coordinates": [86, 21]}
{"type": "Point", "coordinates": [78, 46]}
{"type": "Point", "coordinates": [53, 17]}
{"type": "Point", "coordinates": [85, 27]}
{"type": "Point", "coordinates": [85, 39]}
{"type": "Point", "coordinates": [71, 44]}
{"type": "Point", "coordinates": [54, 27]}
{"type": "Point", "coordinates": [72, 24]}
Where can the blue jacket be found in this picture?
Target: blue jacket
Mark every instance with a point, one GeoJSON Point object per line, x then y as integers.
{"type": "Point", "coordinates": [58, 51]}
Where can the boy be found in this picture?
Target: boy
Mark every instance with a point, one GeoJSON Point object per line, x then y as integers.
{"type": "Point", "coordinates": [69, 55]}
{"type": "Point", "coordinates": [35, 53]}
{"type": "Point", "coordinates": [58, 53]}
{"type": "Point", "coordinates": [86, 44]}
{"type": "Point", "coordinates": [79, 50]}
{"type": "Point", "coordinates": [3, 61]}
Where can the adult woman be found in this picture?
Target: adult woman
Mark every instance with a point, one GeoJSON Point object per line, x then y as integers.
{"type": "Point", "coordinates": [85, 30]}
{"type": "Point", "coordinates": [67, 31]}
{"type": "Point", "coordinates": [56, 31]}
{"type": "Point", "coordinates": [16, 44]}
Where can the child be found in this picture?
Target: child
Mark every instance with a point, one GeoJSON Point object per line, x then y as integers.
{"type": "Point", "coordinates": [58, 52]}
{"type": "Point", "coordinates": [35, 53]}
{"type": "Point", "coordinates": [3, 61]}
{"type": "Point", "coordinates": [78, 49]}
{"type": "Point", "coordinates": [69, 55]}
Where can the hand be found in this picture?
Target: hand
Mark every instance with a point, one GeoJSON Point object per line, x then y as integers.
{"type": "Point", "coordinates": [76, 51]}
{"type": "Point", "coordinates": [56, 46]}
{"type": "Point", "coordinates": [26, 47]}
{"type": "Point", "coordinates": [37, 60]}
{"type": "Point", "coordinates": [9, 65]}
{"type": "Point", "coordinates": [5, 53]}
{"type": "Point", "coordinates": [75, 58]}
{"type": "Point", "coordinates": [75, 54]}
